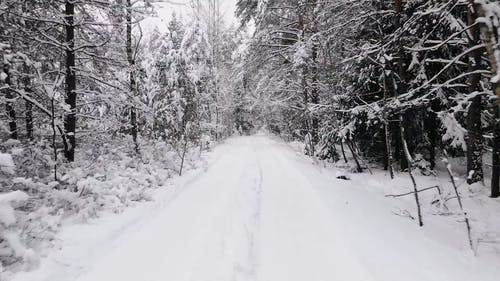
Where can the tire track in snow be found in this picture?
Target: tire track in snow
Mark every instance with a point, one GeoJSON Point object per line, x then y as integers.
{"type": "Point", "coordinates": [220, 238]}
{"type": "Point", "coordinates": [229, 245]}
{"type": "Point", "coordinates": [248, 270]}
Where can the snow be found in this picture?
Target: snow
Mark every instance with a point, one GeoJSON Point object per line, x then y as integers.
{"type": "Point", "coordinates": [6, 163]}
{"type": "Point", "coordinates": [262, 211]}
{"type": "Point", "coordinates": [7, 216]}
{"type": "Point", "coordinates": [9, 238]}
{"type": "Point", "coordinates": [3, 76]}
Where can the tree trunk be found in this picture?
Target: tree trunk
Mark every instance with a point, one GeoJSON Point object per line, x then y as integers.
{"type": "Point", "coordinates": [133, 83]}
{"type": "Point", "coordinates": [398, 8]}
{"type": "Point", "coordinates": [399, 150]}
{"type": "Point", "coordinates": [314, 95]}
{"type": "Point", "coordinates": [305, 99]}
{"type": "Point", "coordinates": [343, 151]}
{"type": "Point", "coordinates": [314, 71]}
{"type": "Point", "coordinates": [495, 173]}
{"type": "Point", "coordinates": [491, 36]}
{"type": "Point", "coordinates": [70, 117]}
{"type": "Point", "coordinates": [29, 107]}
{"type": "Point", "coordinates": [400, 86]}
{"type": "Point", "coordinates": [474, 132]}
{"type": "Point", "coordinates": [359, 169]}
{"type": "Point", "coordinates": [388, 147]}
{"type": "Point", "coordinates": [474, 142]}
{"type": "Point", "coordinates": [389, 156]}
{"type": "Point", "coordinates": [306, 124]}
{"type": "Point", "coordinates": [29, 119]}
{"type": "Point", "coordinates": [9, 105]}
{"type": "Point", "coordinates": [215, 55]}
{"type": "Point", "coordinates": [431, 125]}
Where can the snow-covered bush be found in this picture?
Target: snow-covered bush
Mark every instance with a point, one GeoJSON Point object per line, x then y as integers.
{"type": "Point", "coordinates": [6, 163]}
{"type": "Point", "coordinates": [109, 177]}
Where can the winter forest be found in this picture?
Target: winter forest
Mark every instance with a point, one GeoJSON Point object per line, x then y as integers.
{"type": "Point", "coordinates": [306, 140]}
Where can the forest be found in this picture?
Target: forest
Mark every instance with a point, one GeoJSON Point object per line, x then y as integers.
{"type": "Point", "coordinates": [96, 110]}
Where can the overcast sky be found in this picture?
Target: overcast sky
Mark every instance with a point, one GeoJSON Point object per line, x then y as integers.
{"type": "Point", "coordinates": [183, 8]}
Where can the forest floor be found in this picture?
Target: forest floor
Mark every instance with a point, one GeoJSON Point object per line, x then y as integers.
{"type": "Point", "coordinates": [260, 210]}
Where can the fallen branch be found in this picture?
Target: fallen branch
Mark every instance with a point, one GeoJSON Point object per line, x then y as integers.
{"type": "Point", "coordinates": [412, 192]}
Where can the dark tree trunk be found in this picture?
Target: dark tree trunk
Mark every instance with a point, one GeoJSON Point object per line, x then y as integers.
{"type": "Point", "coordinates": [29, 107]}
{"type": "Point", "coordinates": [306, 124]}
{"type": "Point", "coordinates": [399, 152]}
{"type": "Point", "coordinates": [398, 8]}
{"type": "Point", "coordinates": [490, 36]}
{"type": "Point", "coordinates": [388, 147]}
{"type": "Point", "coordinates": [495, 173]}
{"type": "Point", "coordinates": [400, 88]}
{"type": "Point", "coordinates": [315, 99]}
{"type": "Point", "coordinates": [409, 133]}
{"type": "Point", "coordinates": [389, 155]}
{"type": "Point", "coordinates": [133, 83]}
{"type": "Point", "coordinates": [431, 125]}
{"type": "Point", "coordinates": [343, 151]}
{"type": "Point", "coordinates": [474, 132]}
{"type": "Point", "coordinates": [9, 105]}
{"type": "Point", "coordinates": [314, 95]}
{"type": "Point", "coordinates": [359, 169]}
{"type": "Point", "coordinates": [70, 117]}
{"type": "Point", "coordinates": [29, 119]}
{"type": "Point", "coordinates": [305, 99]}
{"type": "Point", "coordinates": [474, 142]}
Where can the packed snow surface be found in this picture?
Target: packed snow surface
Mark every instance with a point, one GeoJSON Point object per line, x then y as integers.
{"type": "Point", "coordinates": [260, 212]}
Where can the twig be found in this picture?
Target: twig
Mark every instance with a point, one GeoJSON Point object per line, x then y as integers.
{"type": "Point", "coordinates": [404, 213]}
{"type": "Point", "coordinates": [358, 166]}
{"type": "Point", "coordinates": [459, 199]}
{"type": "Point", "coordinates": [410, 164]}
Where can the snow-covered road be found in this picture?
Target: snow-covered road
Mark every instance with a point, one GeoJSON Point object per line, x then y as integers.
{"type": "Point", "coordinates": [262, 212]}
